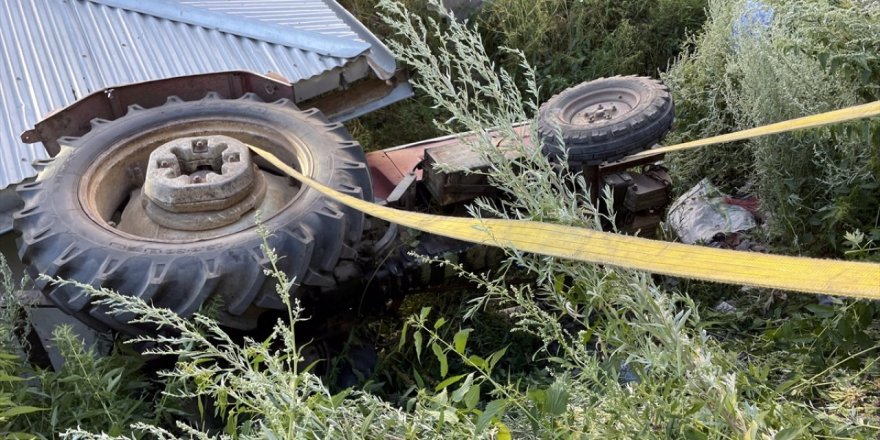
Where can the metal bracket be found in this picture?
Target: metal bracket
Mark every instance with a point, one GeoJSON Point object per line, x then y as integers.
{"type": "Point", "coordinates": [403, 191]}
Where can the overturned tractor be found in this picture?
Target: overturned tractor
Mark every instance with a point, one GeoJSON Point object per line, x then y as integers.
{"type": "Point", "coordinates": [163, 201]}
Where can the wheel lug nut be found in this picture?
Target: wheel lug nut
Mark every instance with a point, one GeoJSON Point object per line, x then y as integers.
{"type": "Point", "coordinates": [164, 164]}
{"type": "Point", "coordinates": [200, 146]}
{"type": "Point", "coordinates": [198, 179]}
{"type": "Point", "coordinates": [235, 157]}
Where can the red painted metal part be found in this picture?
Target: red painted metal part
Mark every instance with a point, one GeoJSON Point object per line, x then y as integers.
{"type": "Point", "coordinates": [388, 167]}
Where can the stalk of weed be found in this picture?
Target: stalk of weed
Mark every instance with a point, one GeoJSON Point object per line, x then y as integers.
{"type": "Point", "coordinates": [104, 393]}
{"type": "Point", "coordinates": [261, 388]}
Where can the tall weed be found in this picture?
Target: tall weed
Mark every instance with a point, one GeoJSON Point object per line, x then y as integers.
{"type": "Point", "coordinates": [569, 42]}
{"type": "Point", "coordinates": [105, 393]}
{"type": "Point", "coordinates": [265, 389]}
{"type": "Point", "coordinates": [815, 56]}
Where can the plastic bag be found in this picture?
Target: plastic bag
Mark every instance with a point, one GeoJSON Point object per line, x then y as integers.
{"type": "Point", "coordinates": [703, 212]}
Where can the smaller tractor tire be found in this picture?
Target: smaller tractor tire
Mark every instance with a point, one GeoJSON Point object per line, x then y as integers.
{"type": "Point", "coordinates": [70, 225]}
{"type": "Point", "coordinates": [605, 119]}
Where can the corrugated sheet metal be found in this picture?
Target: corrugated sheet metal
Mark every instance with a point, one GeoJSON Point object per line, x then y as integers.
{"type": "Point", "coordinates": [53, 52]}
{"type": "Point", "coordinates": [308, 15]}
{"type": "Point", "coordinates": [317, 16]}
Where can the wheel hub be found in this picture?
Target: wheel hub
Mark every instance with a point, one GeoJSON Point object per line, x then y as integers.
{"type": "Point", "coordinates": [189, 177]}
{"type": "Point", "coordinates": [600, 112]}
{"type": "Point", "coordinates": [596, 108]}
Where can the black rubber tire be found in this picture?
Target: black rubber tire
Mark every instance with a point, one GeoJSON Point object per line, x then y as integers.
{"type": "Point", "coordinates": [641, 127]}
{"type": "Point", "coordinates": [311, 234]}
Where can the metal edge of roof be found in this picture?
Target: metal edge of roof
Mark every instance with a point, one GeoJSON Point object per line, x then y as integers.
{"type": "Point", "coordinates": [381, 60]}
{"type": "Point", "coordinates": [243, 27]}
{"type": "Point", "coordinates": [400, 92]}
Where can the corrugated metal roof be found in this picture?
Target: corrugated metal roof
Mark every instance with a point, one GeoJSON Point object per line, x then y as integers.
{"type": "Point", "coordinates": [303, 14]}
{"type": "Point", "coordinates": [53, 52]}
{"type": "Point", "coordinates": [318, 16]}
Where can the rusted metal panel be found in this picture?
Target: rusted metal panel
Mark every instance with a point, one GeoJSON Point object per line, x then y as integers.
{"type": "Point", "coordinates": [54, 52]}
{"type": "Point", "coordinates": [457, 186]}
{"type": "Point", "coordinates": [112, 103]}
{"type": "Point", "coordinates": [384, 173]}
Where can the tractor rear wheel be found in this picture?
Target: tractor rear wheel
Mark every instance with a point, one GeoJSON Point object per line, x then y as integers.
{"type": "Point", "coordinates": [161, 204]}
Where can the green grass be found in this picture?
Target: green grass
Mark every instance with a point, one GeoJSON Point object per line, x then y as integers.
{"type": "Point", "coordinates": [401, 123]}
{"type": "Point", "coordinates": [569, 42]}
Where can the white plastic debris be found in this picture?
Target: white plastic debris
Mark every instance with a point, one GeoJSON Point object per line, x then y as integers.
{"type": "Point", "coordinates": [702, 212]}
{"type": "Point", "coordinates": [725, 307]}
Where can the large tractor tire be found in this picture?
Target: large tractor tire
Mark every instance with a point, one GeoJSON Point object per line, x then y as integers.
{"type": "Point", "coordinates": [70, 225]}
{"type": "Point", "coordinates": [605, 119]}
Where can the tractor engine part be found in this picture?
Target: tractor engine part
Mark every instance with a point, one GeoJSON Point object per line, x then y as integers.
{"type": "Point", "coordinates": [649, 190]}
{"type": "Point", "coordinates": [448, 188]}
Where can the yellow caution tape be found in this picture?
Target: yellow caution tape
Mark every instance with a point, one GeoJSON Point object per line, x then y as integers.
{"type": "Point", "coordinates": [811, 275]}
{"type": "Point", "coordinates": [819, 120]}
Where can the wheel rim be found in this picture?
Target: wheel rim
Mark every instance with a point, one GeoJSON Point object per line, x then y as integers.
{"type": "Point", "coordinates": [110, 185]}
{"type": "Point", "coordinates": [600, 107]}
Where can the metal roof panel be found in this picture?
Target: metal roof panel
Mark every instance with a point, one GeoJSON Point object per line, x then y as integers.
{"type": "Point", "coordinates": [310, 15]}
{"type": "Point", "coordinates": [53, 52]}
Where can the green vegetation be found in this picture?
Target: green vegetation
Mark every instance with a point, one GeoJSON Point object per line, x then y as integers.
{"type": "Point", "coordinates": [569, 42]}
{"type": "Point", "coordinates": [582, 351]}
{"type": "Point", "coordinates": [105, 393]}
{"type": "Point", "coordinates": [566, 42]}
{"type": "Point", "coordinates": [815, 56]}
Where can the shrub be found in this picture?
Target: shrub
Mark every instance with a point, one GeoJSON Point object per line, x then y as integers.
{"type": "Point", "coordinates": [815, 56]}
{"type": "Point", "coordinates": [569, 42]}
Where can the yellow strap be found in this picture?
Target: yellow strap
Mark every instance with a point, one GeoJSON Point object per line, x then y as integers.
{"type": "Point", "coordinates": [819, 120]}
{"type": "Point", "coordinates": [860, 280]}
{"type": "Point", "coordinates": [834, 277]}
